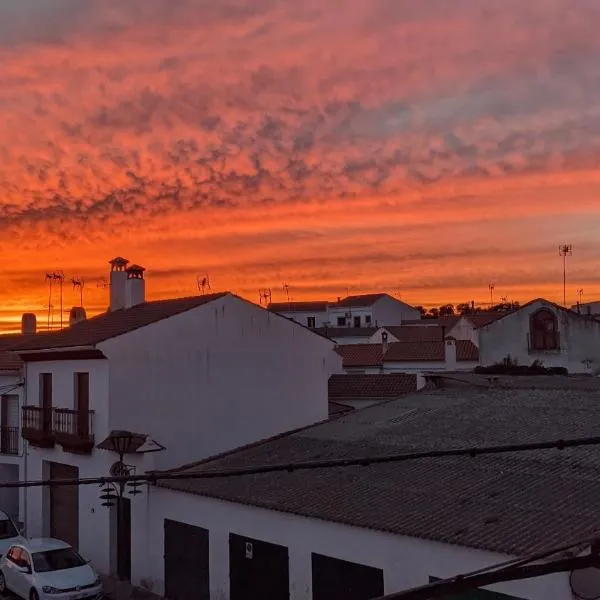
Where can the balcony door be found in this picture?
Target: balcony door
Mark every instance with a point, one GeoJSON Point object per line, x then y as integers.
{"type": "Point", "coordinates": [9, 424]}
{"type": "Point", "coordinates": [82, 403]}
{"type": "Point", "coordinates": [46, 401]}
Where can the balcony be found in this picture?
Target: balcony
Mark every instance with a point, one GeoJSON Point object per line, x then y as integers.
{"type": "Point", "coordinates": [37, 426]}
{"type": "Point", "coordinates": [73, 430]}
{"type": "Point", "coordinates": [9, 440]}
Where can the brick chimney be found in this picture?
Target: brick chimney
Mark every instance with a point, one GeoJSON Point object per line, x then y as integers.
{"type": "Point", "coordinates": [118, 277]}
{"type": "Point", "coordinates": [135, 286]}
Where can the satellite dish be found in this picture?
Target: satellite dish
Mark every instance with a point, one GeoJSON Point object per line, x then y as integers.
{"type": "Point", "coordinates": [119, 469]}
{"type": "Point", "coordinates": [585, 584]}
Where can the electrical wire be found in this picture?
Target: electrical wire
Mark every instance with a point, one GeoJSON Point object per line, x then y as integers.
{"type": "Point", "coordinates": [364, 461]}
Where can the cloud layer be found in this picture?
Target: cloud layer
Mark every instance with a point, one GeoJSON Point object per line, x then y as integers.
{"type": "Point", "coordinates": [425, 147]}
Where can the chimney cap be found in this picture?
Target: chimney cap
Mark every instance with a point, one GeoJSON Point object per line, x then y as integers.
{"type": "Point", "coordinates": [118, 260]}
{"type": "Point", "coordinates": [135, 269]}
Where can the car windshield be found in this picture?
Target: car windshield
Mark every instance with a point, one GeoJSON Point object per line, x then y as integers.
{"type": "Point", "coordinates": [7, 529]}
{"type": "Point", "coordinates": [56, 560]}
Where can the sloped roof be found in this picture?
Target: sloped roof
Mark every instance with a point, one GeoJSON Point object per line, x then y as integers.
{"type": "Point", "coordinates": [379, 385]}
{"type": "Point", "coordinates": [466, 350]}
{"type": "Point", "coordinates": [360, 300]}
{"type": "Point", "coordinates": [360, 355]}
{"type": "Point", "coordinates": [310, 306]}
{"type": "Point", "coordinates": [336, 409]}
{"type": "Point", "coordinates": [515, 504]}
{"type": "Point", "coordinates": [10, 362]}
{"type": "Point", "coordinates": [113, 323]}
{"type": "Point", "coordinates": [417, 333]}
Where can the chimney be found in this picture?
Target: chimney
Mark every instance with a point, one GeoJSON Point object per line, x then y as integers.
{"type": "Point", "coordinates": [77, 315]}
{"type": "Point", "coordinates": [28, 324]}
{"type": "Point", "coordinates": [135, 286]}
{"type": "Point", "coordinates": [384, 342]}
{"type": "Point", "coordinates": [118, 277]}
{"type": "Point", "coordinates": [450, 354]}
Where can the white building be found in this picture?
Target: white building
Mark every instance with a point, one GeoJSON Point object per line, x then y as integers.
{"type": "Point", "coordinates": [383, 528]}
{"type": "Point", "coordinates": [545, 332]}
{"type": "Point", "coordinates": [360, 311]}
{"type": "Point", "coordinates": [197, 376]}
{"type": "Point", "coordinates": [587, 308]}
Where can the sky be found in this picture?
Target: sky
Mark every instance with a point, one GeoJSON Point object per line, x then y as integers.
{"type": "Point", "coordinates": [421, 148]}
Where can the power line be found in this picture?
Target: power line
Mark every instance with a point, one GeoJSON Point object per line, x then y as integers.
{"type": "Point", "coordinates": [364, 461]}
{"type": "Point", "coordinates": [470, 581]}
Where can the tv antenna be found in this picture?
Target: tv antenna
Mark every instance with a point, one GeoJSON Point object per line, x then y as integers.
{"type": "Point", "coordinates": [491, 287]}
{"type": "Point", "coordinates": [203, 283]}
{"type": "Point", "coordinates": [49, 279]}
{"type": "Point", "coordinates": [565, 250]}
{"type": "Point", "coordinates": [579, 295]}
{"type": "Point", "coordinates": [265, 296]}
{"type": "Point", "coordinates": [102, 283]}
{"type": "Point", "coordinates": [78, 283]}
{"type": "Point", "coordinates": [59, 276]}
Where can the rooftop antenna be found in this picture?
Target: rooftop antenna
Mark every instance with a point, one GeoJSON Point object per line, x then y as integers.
{"type": "Point", "coordinates": [203, 283]}
{"type": "Point", "coordinates": [565, 250]}
{"type": "Point", "coordinates": [60, 277]}
{"type": "Point", "coordinates": [491, 287]}
{"type": "Point", "coordinates": [49, 279]}
{"type": "Point", "coordinates": [265, 296]}
{"type": "Point", "coordinates": [286, 289]}
{"type": "Point", "coordinates": [102, 283]}
{"type": "Point", "coordinates": [78, 283]}
{"type": "Point", "coordinates": [579, 295]}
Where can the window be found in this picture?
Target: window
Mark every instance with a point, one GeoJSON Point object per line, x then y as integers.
{"type": "Point", "coordinates": [543, 330]}
{"type": "Point", "coordinates": [311, 322]}
{"type": "Point", "coordinates": [357, 321]}
{"type": "Point", "coordinates": [57, 560]}
{"type": "Point", "coordinates": [341, 321]}
{"type": "Point", "coordinates": [368, 319]}
{"type": "Point", "coordinates": [82, 402]}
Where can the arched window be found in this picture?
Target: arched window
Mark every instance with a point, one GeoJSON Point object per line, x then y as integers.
{"type": "Point", "coordinates": [543, 330]}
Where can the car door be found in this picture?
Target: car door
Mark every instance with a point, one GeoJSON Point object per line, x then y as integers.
{"type": "Point", "coordinates": [26, 579]}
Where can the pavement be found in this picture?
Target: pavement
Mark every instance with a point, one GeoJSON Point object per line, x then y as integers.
{"type": "Point", "coordinates": [123, 590]}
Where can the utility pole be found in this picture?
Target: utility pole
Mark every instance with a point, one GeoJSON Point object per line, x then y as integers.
{"type": "Point", "coordinates": [491, 288]}
{"type": "Point", "coordinates": [565, 250]}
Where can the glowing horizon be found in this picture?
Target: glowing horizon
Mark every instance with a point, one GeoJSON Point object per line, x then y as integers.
{"type": "Point", "coordinates": [424, 150]}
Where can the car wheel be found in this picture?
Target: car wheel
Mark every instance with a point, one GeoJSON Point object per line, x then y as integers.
{"type": "Point", "coordinates": [33, 595]}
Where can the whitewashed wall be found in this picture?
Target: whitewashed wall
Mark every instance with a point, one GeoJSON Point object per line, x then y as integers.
{"type": "Point", "coordinates": [579, 340]}
{"type": "Point", "coordinates": [389, 311]}
{"type": "Point", "coordinates": [217, 377]}
{"type": "Point", "coordinates": [428, 366]}
{"type": "Point", "coordinates": [464, 330]}
{"type": "Point", "coordinates": [406, 562]}
{"type": "Point", "coordinates": [321, 318]}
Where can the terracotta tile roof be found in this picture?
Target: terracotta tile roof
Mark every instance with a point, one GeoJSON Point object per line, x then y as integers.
{"type": "Point", "coordinates": [286, 307]}
{"type": "Point", "coordinates": [357, 386]}
{"type": "Point", "coordinates": [501, 503]}
{"type": "Point", "coordinates": [360, 355]}
{"type": "Point", "coordinates": [342, 332]}
{"type": "Point", "coordinates": [360, 300]}
{"type": "Point", "coordinates": [433, 351]}
{"type": "Point", "coordinates": [114, 323]}
{"type": "Point", "coordinates": [417, 333]}
{"type": "Point", "coordinates": [9, 362]}
{"type": "Point", "coordinates": [447, 322]}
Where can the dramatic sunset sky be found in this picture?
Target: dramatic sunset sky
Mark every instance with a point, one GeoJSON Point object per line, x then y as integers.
{"type": "Point", "coordinates": [422, 147]}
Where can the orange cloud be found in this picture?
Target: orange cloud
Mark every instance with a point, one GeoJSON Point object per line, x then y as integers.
{"type": "Point", "coordinates": [424, 147]}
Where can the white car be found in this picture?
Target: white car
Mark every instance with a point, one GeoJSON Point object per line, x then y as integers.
{"type": "Point", "coordinates": [48, 569]}
{"type": "Point", "coordinates": [9, 534]}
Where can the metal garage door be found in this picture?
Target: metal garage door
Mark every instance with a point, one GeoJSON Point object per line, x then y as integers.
{"type": "Point", "coordinates": [64, 505]}
{"type": "Point", "coordinates": [335, 579]}
{"type": "Point", "coordinates": [186, 562]}
{"type": "Point", "coordinates": [257, 570]}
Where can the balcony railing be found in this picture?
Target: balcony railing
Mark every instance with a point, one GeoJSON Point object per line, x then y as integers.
{"type": "Point", "coordinates": [9, 440]}
{"type": "Point", "coordinates": [37, 426]}
{"type": "Point", "coordinates": [72, 429]}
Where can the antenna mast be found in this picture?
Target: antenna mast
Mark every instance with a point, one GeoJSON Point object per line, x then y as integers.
{"type": "Point", "coordinates": [49, 278]}
{"type": "Point", "coordinates": [565, 250]}
{"type": "Point", "coordinates": [265, 296]}
{"type": "Point", "coordinates": [79, 283]}
{"type": "Point", "coordinates": [203, 283]}
{"type": "Point", "coordinates": [60, 277]}
{"type": "Point", "coordinates": [491, 287]}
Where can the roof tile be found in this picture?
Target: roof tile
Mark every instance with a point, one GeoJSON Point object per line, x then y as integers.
{"type": "Point", "coordinates": [386, 385]}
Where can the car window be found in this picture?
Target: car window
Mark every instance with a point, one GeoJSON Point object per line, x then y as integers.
{"type": "Point", "coordinates": [57, 560]}
{"type": "Point", "coordinates": [7, 529]}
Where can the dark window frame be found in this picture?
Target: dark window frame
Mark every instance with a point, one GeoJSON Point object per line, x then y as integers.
{"type": "Point", "coordinates": [543, 330]}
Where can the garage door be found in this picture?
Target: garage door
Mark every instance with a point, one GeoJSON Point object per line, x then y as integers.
{"type": "Point", "coordinates": [64, 505]}
{"type": "Point", "coordinates": [258, 570]}
{"type": "Point", "coordinates": [186, 562]}
{"type": "Point", "coordinates": [335, 579]}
